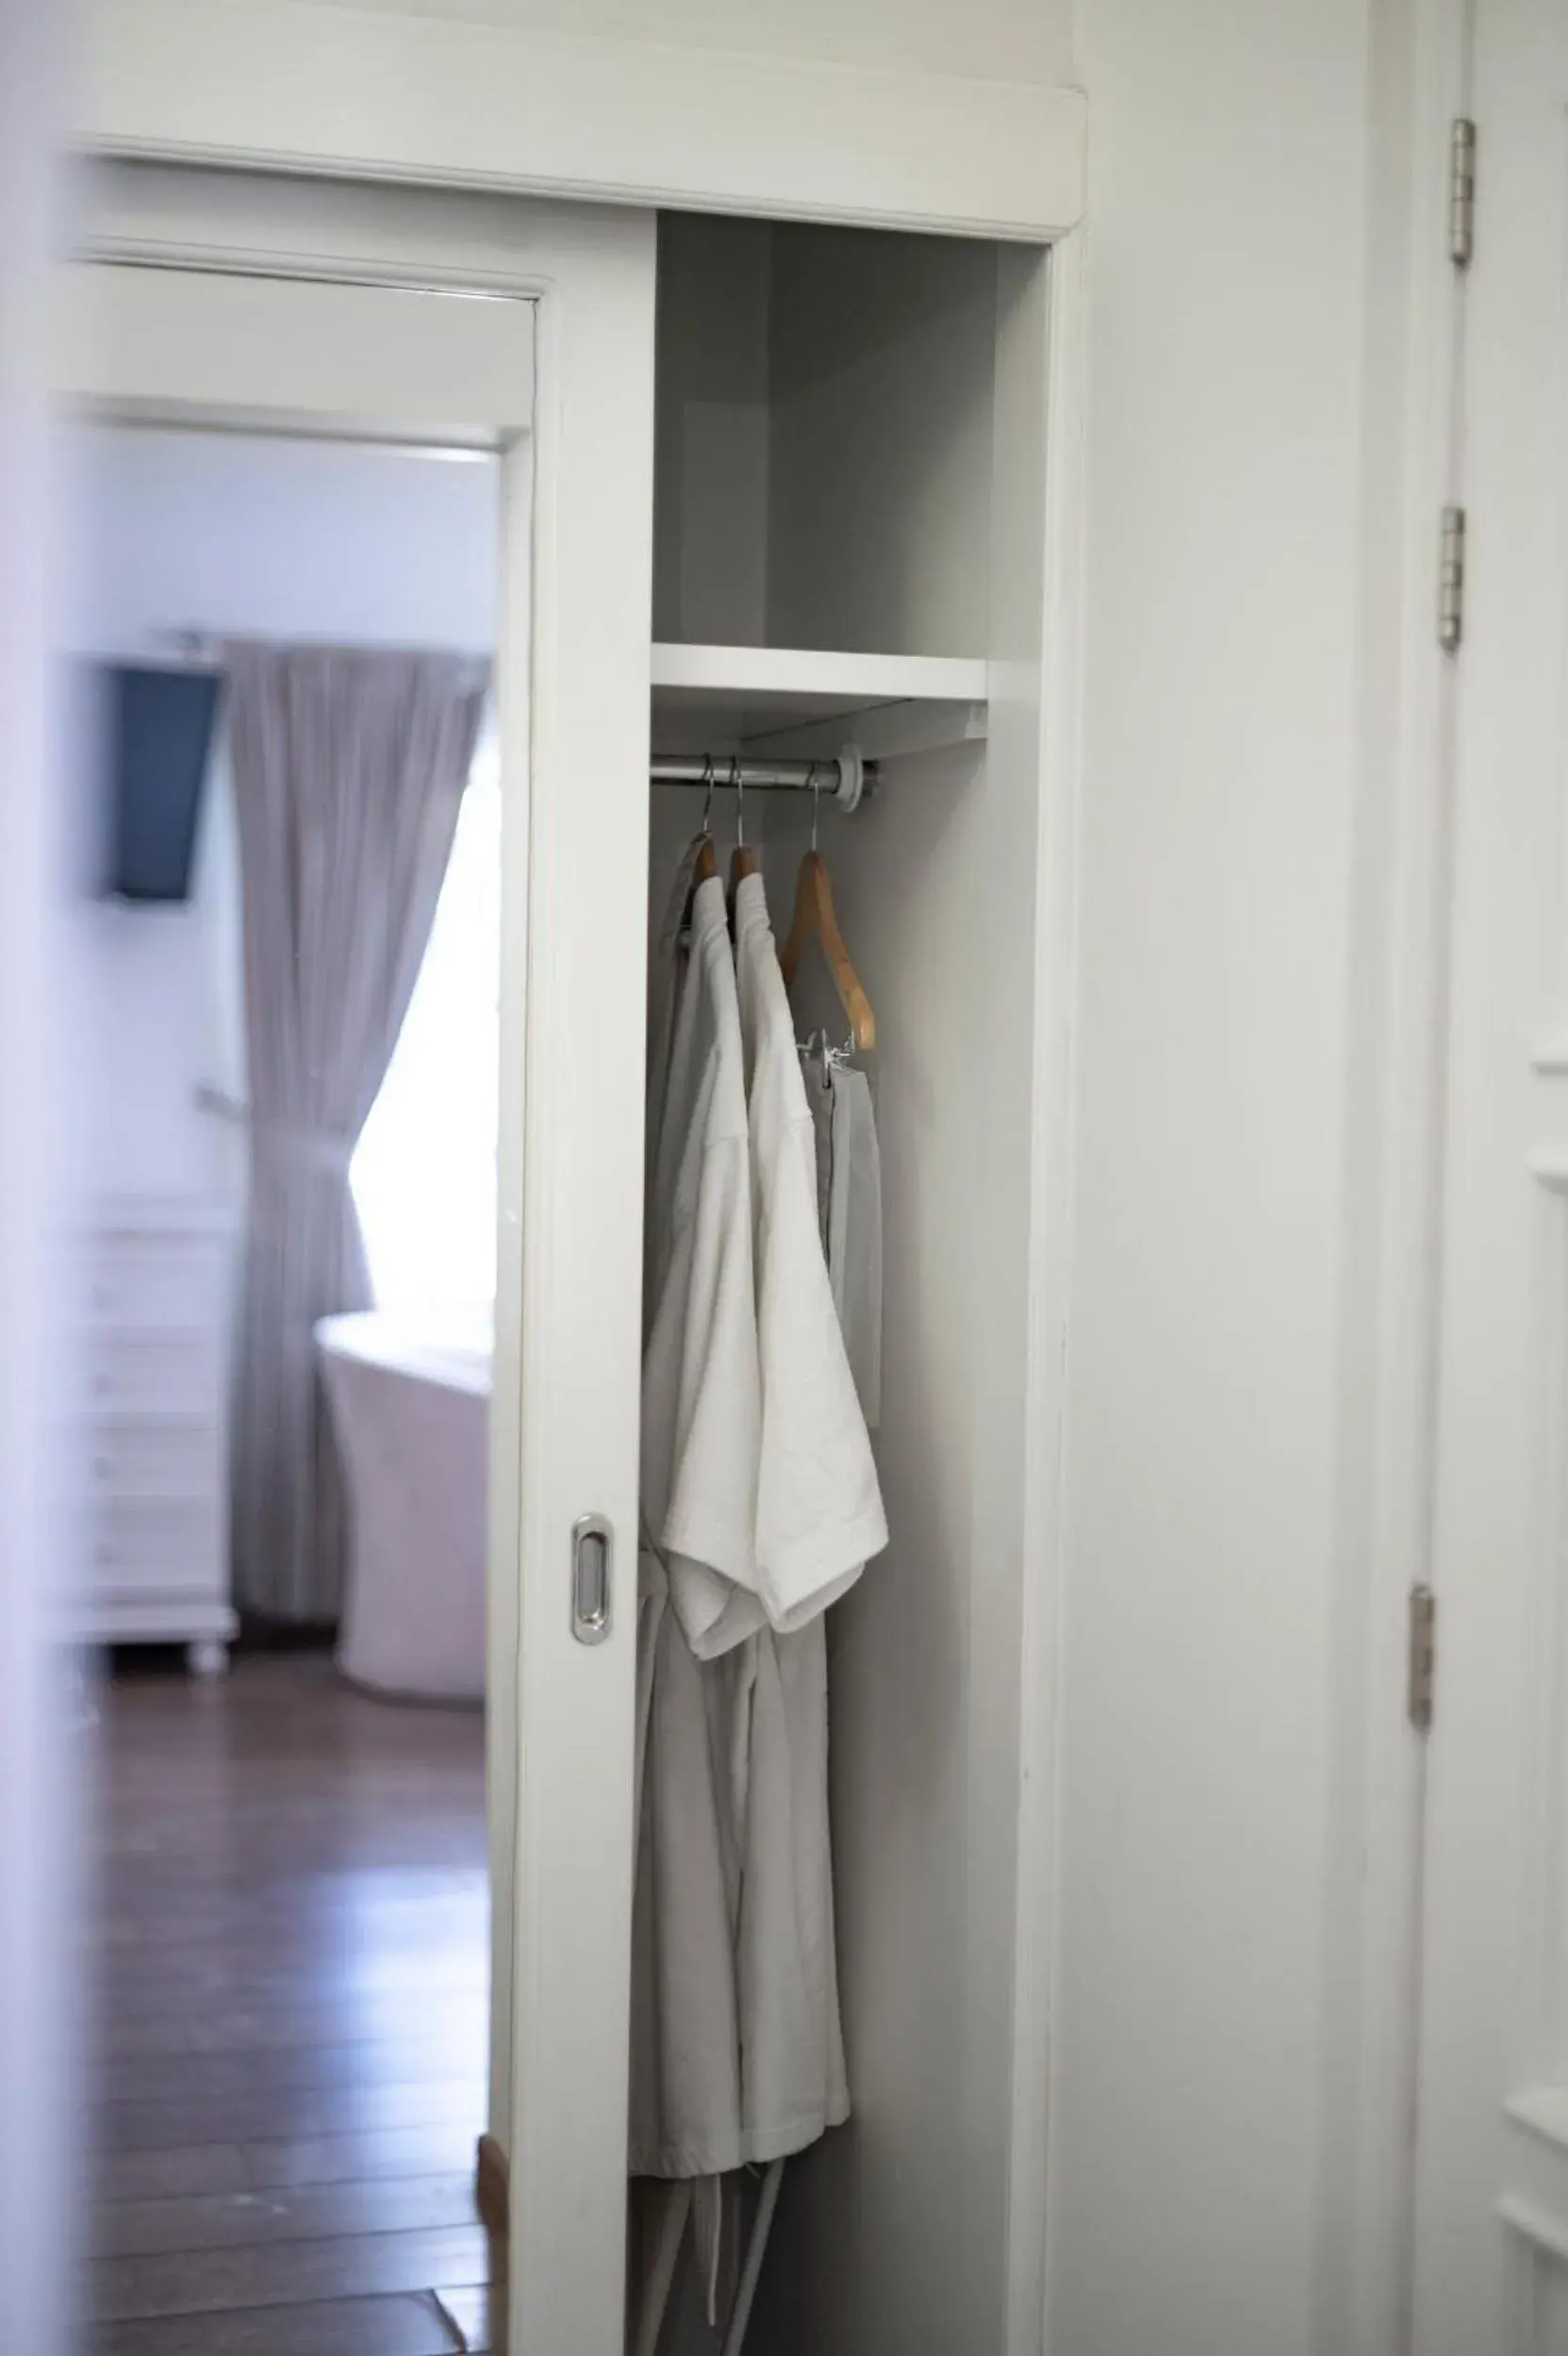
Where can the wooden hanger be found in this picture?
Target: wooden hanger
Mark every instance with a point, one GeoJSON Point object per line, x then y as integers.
{"type": "Point", "coordinates": [815, 919]}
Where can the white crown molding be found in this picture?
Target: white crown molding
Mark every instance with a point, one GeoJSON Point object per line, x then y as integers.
{"type": "Point", "coordinates": [367, 95]}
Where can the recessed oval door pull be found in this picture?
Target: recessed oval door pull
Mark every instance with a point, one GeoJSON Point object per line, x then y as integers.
{"type": "Point", "coordinates": [592, 1565]}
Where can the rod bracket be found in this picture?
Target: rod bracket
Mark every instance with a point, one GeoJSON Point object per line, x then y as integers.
{"type": "Point", "coordinates": [852, 778]}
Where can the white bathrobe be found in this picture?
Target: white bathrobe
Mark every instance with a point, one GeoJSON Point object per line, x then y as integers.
{"type": "Point", "coordinates": [819, 1512]}
{"type": "Point", "coordinates": [737, 2055]}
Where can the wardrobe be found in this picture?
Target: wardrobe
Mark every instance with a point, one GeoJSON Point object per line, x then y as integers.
{"type": "Point", "coordinates": [782, 492]}
{"type": "Point", "coordinates": [850, 444]}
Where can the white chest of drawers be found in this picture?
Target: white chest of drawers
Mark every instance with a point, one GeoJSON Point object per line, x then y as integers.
{"type": "Point", "coordinates": [151, 1382]}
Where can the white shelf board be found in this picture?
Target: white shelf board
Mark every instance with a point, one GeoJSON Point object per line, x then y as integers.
{"type": "Point", "coordinates": [726, 698]}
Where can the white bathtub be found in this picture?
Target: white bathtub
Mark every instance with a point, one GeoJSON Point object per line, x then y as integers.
{"type": "Point", "coordinates": [410, 1407]}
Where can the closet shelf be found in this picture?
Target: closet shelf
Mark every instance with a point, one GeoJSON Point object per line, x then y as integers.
{"type": "Point", "coordinates": [797, 703]}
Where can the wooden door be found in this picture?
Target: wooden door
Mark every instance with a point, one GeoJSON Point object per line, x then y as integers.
{"type": "Point", "coordinates": [1490, 2230]}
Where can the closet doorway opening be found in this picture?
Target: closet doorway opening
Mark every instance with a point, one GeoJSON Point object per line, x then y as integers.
{"type": "Point", "coordinates": [285, 955]}
{"type": "Point", "coordinates": [850, 592]}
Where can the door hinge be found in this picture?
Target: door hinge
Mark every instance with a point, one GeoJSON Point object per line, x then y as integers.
{"type": "Point", "coordinates": [1450, 581]}
{"type": "Point", "coordinates": [1421, 1672]}
{"type": "Point", "coordinates": [1461, 190]}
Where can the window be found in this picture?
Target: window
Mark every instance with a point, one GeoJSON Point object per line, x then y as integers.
{"type": "Point", "coordinates": [425, 1172]}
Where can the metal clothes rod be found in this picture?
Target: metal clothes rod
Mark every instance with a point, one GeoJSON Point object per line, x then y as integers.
{"type": "Point", "coordinates": [845, 778]}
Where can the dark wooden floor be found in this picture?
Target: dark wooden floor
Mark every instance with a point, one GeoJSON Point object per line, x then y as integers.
{"type": "Point", "coordinates": [290, 1942]}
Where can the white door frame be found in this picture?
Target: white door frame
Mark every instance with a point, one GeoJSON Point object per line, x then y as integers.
{"type": "Point", "coordinates": [573, 669]}
{"type": "Point", "coordinates": [1395, 1119]}
{"type": "Point", "coordinates": [1491, 2213]}
{"type": "Point", "coordinates": [1048, 1279]}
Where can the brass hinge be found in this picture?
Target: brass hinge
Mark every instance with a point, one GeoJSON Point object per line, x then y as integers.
{"type": "Point", "coordinates": [1421, 1672]}
{"type": "Point", "coordinates": [1461, 190]}
{"type": "Point", "coordinates": [1450, 581]}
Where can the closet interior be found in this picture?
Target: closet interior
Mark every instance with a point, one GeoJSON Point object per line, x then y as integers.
{"type": "Point", "coordinates": [850, 468]}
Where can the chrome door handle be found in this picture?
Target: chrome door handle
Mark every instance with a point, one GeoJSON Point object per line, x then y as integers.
{"type": "Point", "coordinates": [592, 1565]}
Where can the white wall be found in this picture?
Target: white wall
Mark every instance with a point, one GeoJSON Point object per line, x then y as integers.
{"type": "Point", "coordinates": [261, 537]}
{"type": "Point", "coordinates": [823, 426]}
{"type": "Point", "coordinates": [881, 441]}
{"type": "Point", "coordinates": [1026, 40]}
{"type": "Point", "coordinates": [710, 432]}
{"type": "Point", "coordinates": [1206, 1872]}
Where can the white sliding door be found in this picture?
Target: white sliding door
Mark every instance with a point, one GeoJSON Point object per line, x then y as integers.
{"type": "Point", "coordinates": [527, 329]}
{"type": "Point", "coordinates": [1491, 2261]}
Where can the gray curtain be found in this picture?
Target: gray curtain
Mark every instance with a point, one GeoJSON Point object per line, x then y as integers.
{"type": "Point", "coordinates": [348, 770]}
